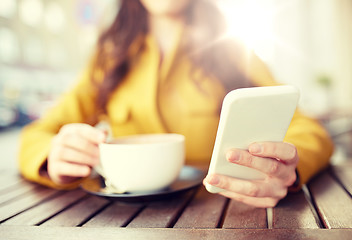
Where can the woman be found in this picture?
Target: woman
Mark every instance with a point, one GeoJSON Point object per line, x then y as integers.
{"type": "Point", "coordinates": [165, 66]}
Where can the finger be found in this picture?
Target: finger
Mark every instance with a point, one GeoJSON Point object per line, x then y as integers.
{"type": "Point", "coordinates": [284, 151]}
{"type": "Point", "coordinates": [88, 132]}
{"type": "Point", "coordinates": [77, 157]}
{"type": "Point", "coordinates": [64, 179]}
{"type": "Point", "coordinates": [268, 166]}
{"type": "Point", "coordinates": [83, 145]}
{"type": "Point", "coordinates": [256, 189]}
{"type": "Point", "coordinates": [60, 170]}
{"type": "Point", "coordinates": [265, 202]}
{"type": "Point", "coordinates": [92, 134]}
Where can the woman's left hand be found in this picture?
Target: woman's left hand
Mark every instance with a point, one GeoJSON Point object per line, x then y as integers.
{"type": "Point", "coordinates": [276, 160]}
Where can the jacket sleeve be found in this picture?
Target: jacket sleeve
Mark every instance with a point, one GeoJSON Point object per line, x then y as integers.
{"type": "Point", "coordinates": [313, 143]}
{"type": "Point", "coordinates": [77, 105]}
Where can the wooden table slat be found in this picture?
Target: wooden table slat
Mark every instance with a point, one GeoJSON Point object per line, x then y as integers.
{"type": "Point", "coordinates": [40, 213]}
{"type": "Point", "coordinates": [294, 211]}
{"type": "Point", "coordinates": [333, 203]}
{"type": "Point", "coordinates": [74, 233]}
{"type": "Point", "coordinates": [7, 180]}
{"type": "Point", "coordinates": [344, 175]}
{"type": "Point", "coordinates": [116, 215]}
{"type": "Point", "coordinates": [16, 190]}
{"type": "Point", "coordinates": [240, 215]}
{"type": "Point", "coordinates": [32, 198]}
{"type": "Point", "coordinates": [161, 214]}
{"type": "Point", "coordinates": [204, 211]}
{"type": "Point", "coordinates": [77, 214]}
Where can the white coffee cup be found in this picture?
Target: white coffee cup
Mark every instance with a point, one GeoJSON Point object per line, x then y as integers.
{"type": "Point", "coordinates": [142, 163]}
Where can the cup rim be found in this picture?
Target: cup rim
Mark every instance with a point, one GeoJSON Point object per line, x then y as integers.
{"type": "Point", "coordinates": [154, 138]}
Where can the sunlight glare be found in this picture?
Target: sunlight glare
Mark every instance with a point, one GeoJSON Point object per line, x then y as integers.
{"type": "Point", "coordinates": [252, 22]}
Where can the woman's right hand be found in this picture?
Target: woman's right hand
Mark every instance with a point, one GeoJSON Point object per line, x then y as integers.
{"type": "Point", "coordinates": [74, 152]}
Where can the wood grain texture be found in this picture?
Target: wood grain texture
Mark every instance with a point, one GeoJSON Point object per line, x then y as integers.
{"type": "Point", "coordinates": [344, 175]}
{"type": "Point", "coordinates": [8, 180]}
{"type": "Point", "coordinates": [44, 211]}
{"type": "Point", "coordinates": [204, 211]}
{"type": "Point", "coordinates": [240, 215]}
{"type": "Point", "coordinates": [294, 211]}
{"type": "Point", "coordinates": [161, 214]}
{"type": "Point", "coordinates": [195, 215]}
{"type": "Point", "coordinates": [32, 198]}
{"type": "Point", "coordinates": [78, 213]}
{"type": "Point", "coordinates": [115, 215]}
{"type": "Point", "coordinates": [333, 203]}
{"type": "Point", "coordinates": [74, 233]}
{"type": "Point", "coordinates": [16, 190]}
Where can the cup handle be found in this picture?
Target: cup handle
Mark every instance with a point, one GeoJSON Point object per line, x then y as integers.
{"type": "Point", "coordinates": [109, 188]}
{"type": "Point", "coordinates": [99, 169]}
{"type": "Point", "coordinates": [105, 126]}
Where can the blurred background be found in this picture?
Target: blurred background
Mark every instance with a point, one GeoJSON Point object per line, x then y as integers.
{"type": "Point", "coordinates": [44, 44]}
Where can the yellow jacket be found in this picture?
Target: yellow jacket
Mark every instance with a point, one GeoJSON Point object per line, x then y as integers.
{"type": "Point", "coordinates": [156, 99]}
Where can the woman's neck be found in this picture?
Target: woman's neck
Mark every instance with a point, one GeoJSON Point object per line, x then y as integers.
{"type": "Point", "coordinates": [166, 31]}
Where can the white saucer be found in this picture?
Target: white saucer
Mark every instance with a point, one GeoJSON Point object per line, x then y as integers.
{"type": "Point", "coordinates": [188, 179]}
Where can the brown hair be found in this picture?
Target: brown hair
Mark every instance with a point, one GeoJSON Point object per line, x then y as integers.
{"type": "Point", "coordinates": [216, 56]}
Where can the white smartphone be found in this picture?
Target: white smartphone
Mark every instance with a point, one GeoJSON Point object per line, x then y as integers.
{"type": "Point", "coordinates": [250, 115]}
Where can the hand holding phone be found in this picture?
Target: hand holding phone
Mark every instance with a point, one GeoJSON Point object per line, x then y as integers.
{"type": "Point", "coordinates": [249, 115]}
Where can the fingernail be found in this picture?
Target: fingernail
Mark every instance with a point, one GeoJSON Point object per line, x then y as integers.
{"type": "Point", "coordinates": [213, 180]}
{"type": "Point", "coordinates": [255, 148]}
{"type": "Point", "coordinates": [233, 156]}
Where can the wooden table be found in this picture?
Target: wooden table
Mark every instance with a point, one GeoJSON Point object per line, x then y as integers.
{"type": "Point", "coordinates": [322, 210]}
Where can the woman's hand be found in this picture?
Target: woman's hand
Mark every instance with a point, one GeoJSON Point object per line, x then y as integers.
{"type": "Point", "coordinates": [74, 152]}
{"type": "Point", "coordinates": [276, 160]}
